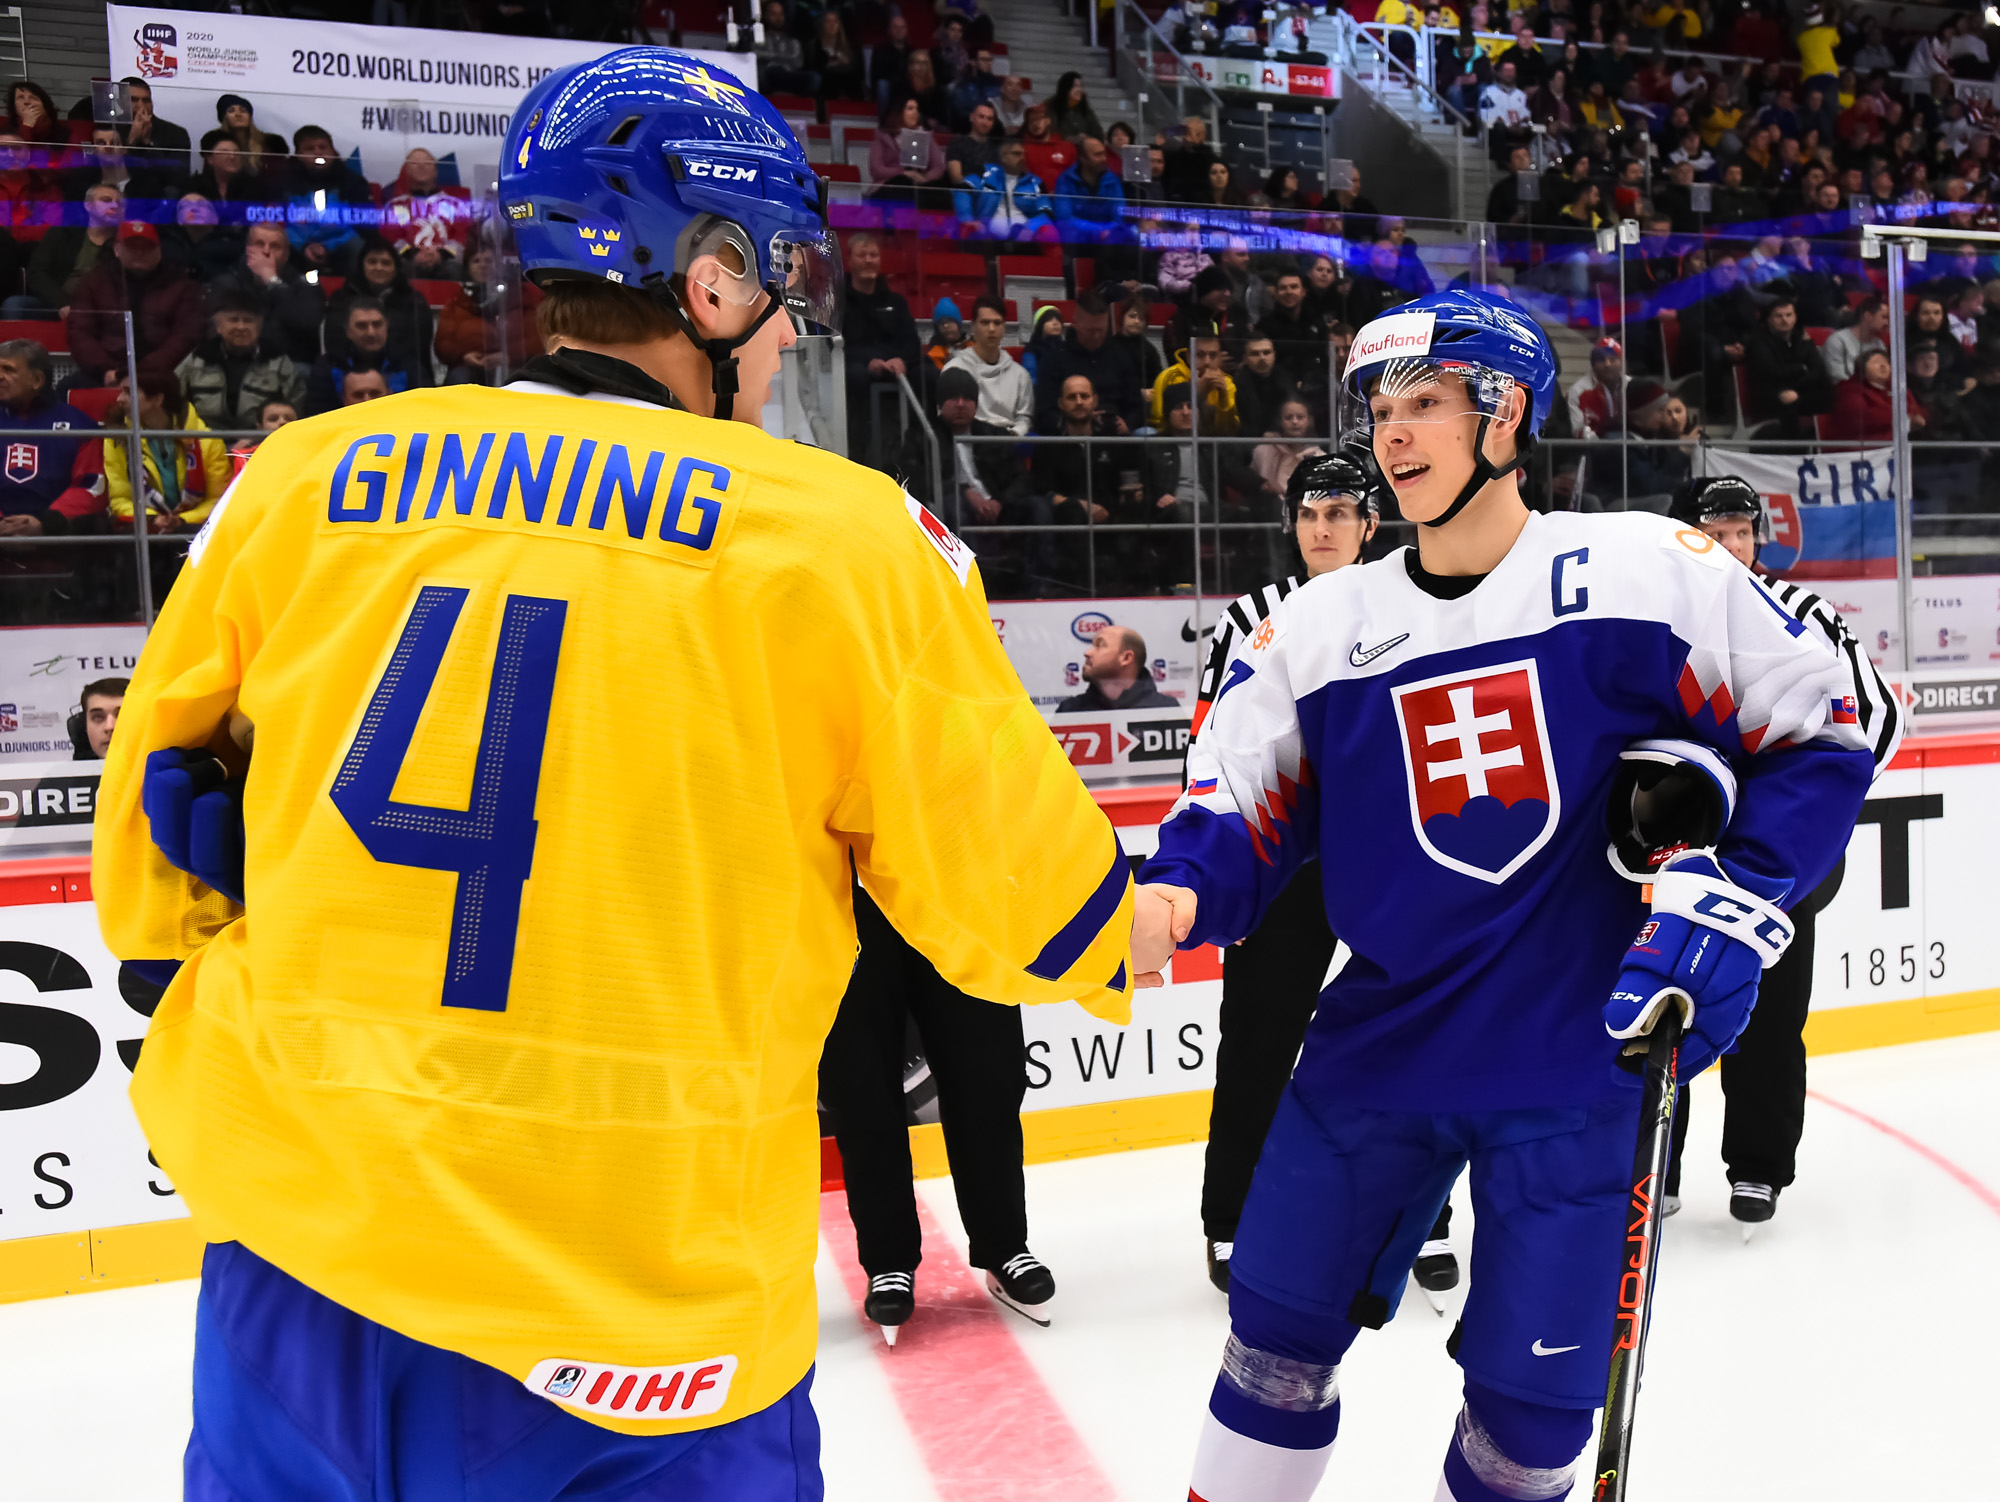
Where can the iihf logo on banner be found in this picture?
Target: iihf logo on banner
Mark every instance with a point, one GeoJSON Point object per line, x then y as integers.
{"type": "Point", "coordinates": [153, 40]}
{"type": "Point", "coordinates": [1483, 794]}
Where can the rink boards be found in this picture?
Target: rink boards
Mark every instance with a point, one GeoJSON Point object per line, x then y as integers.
{"type": "Point", "coordinates": [1907, 951]}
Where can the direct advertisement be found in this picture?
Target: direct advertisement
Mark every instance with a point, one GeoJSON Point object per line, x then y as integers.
{"type": "Point", "coordinates": [43, 671]}
{"type": "Point", "coordinates": [1125, 745]}
{"type": "Point", "coordinates": [385, 90]}
{"type": "Point", "coordinates": [1046, 639]}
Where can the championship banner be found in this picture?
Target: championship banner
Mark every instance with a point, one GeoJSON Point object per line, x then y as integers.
{"type": "Point", "coordinates": [1832, 515]}
{"type": "Point", "coordinates": [42, 673]}
{"type": "Point", "coordinates": [1045, 640]}
{"type": "Point", "coordinates": [384, 90]}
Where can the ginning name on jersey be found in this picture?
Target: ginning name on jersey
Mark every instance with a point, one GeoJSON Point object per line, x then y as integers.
{"type": "Point", "coordinates": [601, 492]}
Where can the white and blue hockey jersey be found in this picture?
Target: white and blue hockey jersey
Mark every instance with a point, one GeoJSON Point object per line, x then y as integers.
{"type": "Point", "coordinates": [1449, 761]}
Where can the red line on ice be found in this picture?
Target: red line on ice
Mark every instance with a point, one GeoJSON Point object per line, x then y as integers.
{"type": "Point", "coordinates": [988, 1428]}
{"type": "Point", "coordinates": [1930, 1154]}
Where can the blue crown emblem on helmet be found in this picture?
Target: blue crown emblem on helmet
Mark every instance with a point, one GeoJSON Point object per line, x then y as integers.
{"type": "Point", "coordinates": [619, 168]}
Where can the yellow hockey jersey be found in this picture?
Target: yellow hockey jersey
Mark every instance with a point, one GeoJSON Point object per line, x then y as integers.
{"type": "Point", "coordinates": [563, 716]}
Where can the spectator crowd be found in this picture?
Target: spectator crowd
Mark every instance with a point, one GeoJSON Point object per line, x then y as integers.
{"type": "Point", "coordinates": [267, 279]}
{"type": "Point", "coordinates": [1749, 170]}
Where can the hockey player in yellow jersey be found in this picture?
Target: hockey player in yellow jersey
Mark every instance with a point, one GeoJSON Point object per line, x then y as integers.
{"type": "Point", "coordinates": [492, 778]}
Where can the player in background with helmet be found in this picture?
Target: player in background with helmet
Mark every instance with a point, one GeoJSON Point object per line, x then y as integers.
{"type": "Point", "coordinates": [1441, 728]}
{"type": "Point", "coordinates": [1764, 1079]}
{"type": "Point", "coordinates": [499, 1117]}
{"type": "Point", "coordinates": [1271, 979]}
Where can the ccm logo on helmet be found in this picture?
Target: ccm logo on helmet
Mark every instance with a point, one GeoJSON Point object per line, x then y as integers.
{"type": "Point", "coordinates": [719, 172]}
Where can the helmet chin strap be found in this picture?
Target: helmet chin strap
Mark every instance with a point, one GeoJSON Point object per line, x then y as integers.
{"type": "Point", "coordinates": [721, 353]}
{"type": "Point", "coordinates": [1484, 470]}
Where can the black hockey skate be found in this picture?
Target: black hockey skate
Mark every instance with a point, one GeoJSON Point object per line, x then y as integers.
{"type": "Point", "coordinates": [892, 1299]}
{"type": "Point", "coordinates": [1219, 1253]}
{"type": "Point", "coordinates": [1752, 1204]}
{"type": "Point", "coordinates": [1023, 1285]}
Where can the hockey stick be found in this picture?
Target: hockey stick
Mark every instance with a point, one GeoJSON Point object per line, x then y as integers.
{"type": "Point", "coordinates": [1640, 1255]}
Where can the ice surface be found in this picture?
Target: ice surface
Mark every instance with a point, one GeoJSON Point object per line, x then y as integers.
{"type": "Point", "coordinates": [1844, 1353]}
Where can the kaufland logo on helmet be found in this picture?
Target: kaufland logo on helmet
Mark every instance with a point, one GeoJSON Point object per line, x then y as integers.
{"type": "Point", "coordinates": [1392, 336]}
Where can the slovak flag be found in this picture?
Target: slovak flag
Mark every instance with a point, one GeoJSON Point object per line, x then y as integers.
{"type": "Point", "coordinates": [1197, 789]}
{"type": "Point", "coordinates": [1845, 711]}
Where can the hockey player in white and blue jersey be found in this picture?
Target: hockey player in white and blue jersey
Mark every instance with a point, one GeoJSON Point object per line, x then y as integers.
{"type": "Point", "coordinates": [1472, 695]}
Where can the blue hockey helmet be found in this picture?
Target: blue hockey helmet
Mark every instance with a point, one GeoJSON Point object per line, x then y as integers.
{"type": "Point", "coordinates": [1483, 340]}
{"type": "Point", "coordinates": [630, 167]}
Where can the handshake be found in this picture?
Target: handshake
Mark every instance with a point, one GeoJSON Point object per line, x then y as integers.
{"type": "Point", "coordinates": [1162, 916]}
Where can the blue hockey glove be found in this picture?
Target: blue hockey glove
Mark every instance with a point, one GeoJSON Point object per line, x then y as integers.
{"type": "Point", "coordinates": [196, 812]}
{"type": "Point", "coordinates": [1704, 949]}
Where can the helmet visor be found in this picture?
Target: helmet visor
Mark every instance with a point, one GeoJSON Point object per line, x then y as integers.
{"type": "Point", "coordinates": [1419, 390]}
{"type": "Point", "coordinates": [805, 271]}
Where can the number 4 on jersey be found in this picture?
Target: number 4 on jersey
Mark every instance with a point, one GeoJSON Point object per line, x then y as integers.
{"type": "Point", "coordinates": [491, 842]}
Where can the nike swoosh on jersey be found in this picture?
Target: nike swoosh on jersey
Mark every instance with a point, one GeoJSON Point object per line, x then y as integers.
{"type": "Point", "coordinates": [1541, 1350]}
{"type": "Point", "coordinates": [1361, 659]}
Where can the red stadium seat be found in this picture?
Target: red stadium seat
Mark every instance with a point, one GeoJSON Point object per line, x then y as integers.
{"type": "Point", "coordinates": [1670, 343]}
{"type": "Point", "coordinates": [941, 263]}
{"type": "Point", "coordinates": [437, 291]}
{"type": "Point", "coordinates": [93, 401]}
{"type": "Point", "coordinates": [1818, 335]}
{"type": "Point", "coordinates": [839, 172]}
{"type": "Point", "coordinates": [1039, 265]}
{"type": "Point", "coordinates": [1160, 314]}
{"type": "Point", "coordinates": [850, 109]}
{"type": "Point", "coordinates": [49, 333]}
{"type": "Point", "coordinates": [1083, 274]}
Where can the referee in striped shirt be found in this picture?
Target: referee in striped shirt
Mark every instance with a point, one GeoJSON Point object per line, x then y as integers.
{"type": "Point", "coordinates": [1764, 1080]}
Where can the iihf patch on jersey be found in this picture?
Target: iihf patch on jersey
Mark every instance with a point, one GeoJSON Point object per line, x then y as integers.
{"type": "Point", "coordinates": [947, 542]}
{"type": "Point", "coordinates": [1483, 795]}
{"type": "Point", "coordinates": [688, 1391]}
